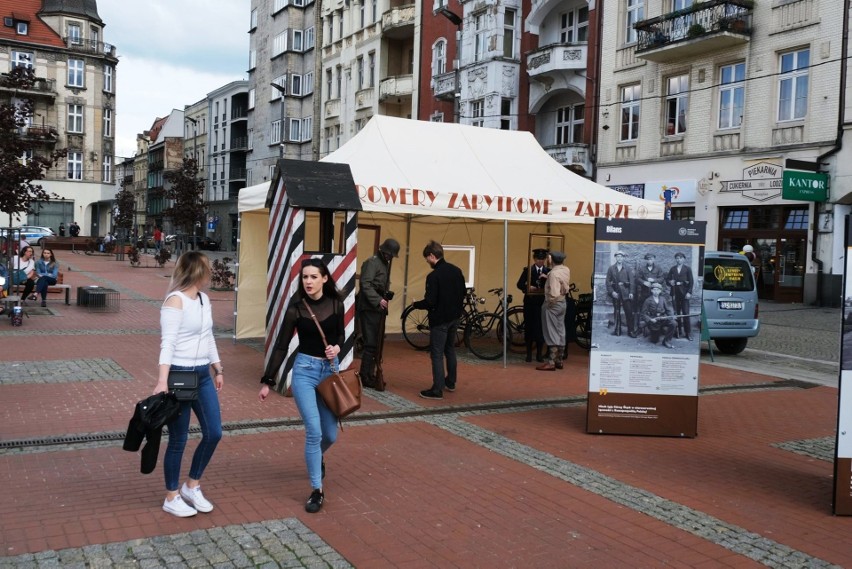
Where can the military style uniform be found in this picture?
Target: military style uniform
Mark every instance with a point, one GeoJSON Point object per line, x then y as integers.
{"type": "Point", "coordinates": [661, 308]}
{"type": "Point", "coordinates": [681, 282]}
{"type": "Point", "coordinates": [374, 284]}
{"type": "Point", "coordinates": [620, 281]}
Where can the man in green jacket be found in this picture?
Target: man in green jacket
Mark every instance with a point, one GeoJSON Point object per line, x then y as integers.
{"type": "Point", "coordinates": [373, 300]}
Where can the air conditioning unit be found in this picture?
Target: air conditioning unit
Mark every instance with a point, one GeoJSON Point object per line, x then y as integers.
{"type": "Point", "coordinates": [8, 22]}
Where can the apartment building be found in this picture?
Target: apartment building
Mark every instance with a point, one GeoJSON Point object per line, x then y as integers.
{"type": "Point", "coordinates": [164, 154]}
{"type": "Point", "coordinates": [74, 96]}
{"type": "Point", "coordinates": [712, 101]}
{"type": "Point", "coordinates": [282, 74]}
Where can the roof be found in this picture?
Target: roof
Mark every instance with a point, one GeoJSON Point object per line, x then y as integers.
{"type": "Point", "coordinates": [38, 32]}
{"type": "Point", "coordinates": [314, 185]}
{"type": "Point", "coordinates": [83, 8]}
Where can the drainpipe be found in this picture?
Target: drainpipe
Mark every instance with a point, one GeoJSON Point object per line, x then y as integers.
{"type": "Point", "coordinates": [838, 144]}
{"type": "Point", "coordinates": [593, 154]}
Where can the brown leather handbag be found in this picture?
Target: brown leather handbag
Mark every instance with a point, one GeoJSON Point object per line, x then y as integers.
{"type": "Point", "coordinates": [341, 391]}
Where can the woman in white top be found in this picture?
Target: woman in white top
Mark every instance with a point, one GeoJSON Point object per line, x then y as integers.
{"type": "Point", "coordinates": [187, 343]}
{"type": "Point", "coordinates": [23, 271]}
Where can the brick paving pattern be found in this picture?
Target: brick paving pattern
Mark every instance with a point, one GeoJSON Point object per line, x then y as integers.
{"type": "Point", "coordinates": [498, 474]}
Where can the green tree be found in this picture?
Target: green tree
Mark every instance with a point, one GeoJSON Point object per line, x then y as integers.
{"type": "Point", "coordinates": [185, 194]}
{"type": "Point", "coordinates": [125, 204]}
{"type": "Point", "coordinates": [21, 165]}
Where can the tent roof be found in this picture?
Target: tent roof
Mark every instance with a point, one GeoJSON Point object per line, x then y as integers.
{"type": "Point", "coordinates": [453, 170]}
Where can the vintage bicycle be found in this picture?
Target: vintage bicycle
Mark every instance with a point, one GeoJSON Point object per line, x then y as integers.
{"type": "Point", "coordinates": [483, 334]}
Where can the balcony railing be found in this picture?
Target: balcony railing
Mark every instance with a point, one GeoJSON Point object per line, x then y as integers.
{"type": "Point", "coordinates": [729, 21]}
{"type": "Point", "coordinates": [40, 86]}
{"type": "Point", "coordinates": [557, 57]}
{"type": "Point", "coordinates": [42, 133]}
{"type": "Point", "coordinates": [398, 86]}
{"type": "Point", "coordinates": [397, 18]}
{"type": "Point", "coordinates": [89, 46]}
{"type": "Point", "coordinates": [237, 174]}
{"type": "Point", "coordinates": [239, 113]}
{"type": "Point", "coordinates": [239, 143]}
{"type": "Point", "coordinates": [444, 85]}
{"type": "Point", "coordinates": [570, 155]}
{"type": "Point", "coordinates": [332, 108]}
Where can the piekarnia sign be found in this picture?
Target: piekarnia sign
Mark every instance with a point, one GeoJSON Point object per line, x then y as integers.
{"type": "Point", "coordinates": [469, 204]}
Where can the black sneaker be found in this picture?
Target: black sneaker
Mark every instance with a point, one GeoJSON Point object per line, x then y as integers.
{"type": "Point", "coordinates": [431, 394]}
{"type": "Point", "coordinates": [314, 504]}
{"type": "Point", "coordinates": [450, 387]}
{"type": "Point", "coordinates": [323, 470]}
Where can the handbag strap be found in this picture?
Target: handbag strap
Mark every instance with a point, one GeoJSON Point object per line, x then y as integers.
{"type": "Point", "coordinates": [322, 334]}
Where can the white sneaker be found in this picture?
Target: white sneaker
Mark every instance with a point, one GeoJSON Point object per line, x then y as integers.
{"type": "Point", "coordinates": [195, 498]}
{"type": "Point", "coordinates": [179, 508]}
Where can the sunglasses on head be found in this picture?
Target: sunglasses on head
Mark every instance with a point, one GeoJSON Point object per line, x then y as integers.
{"type": "Point", "coordinates": [313, 262]}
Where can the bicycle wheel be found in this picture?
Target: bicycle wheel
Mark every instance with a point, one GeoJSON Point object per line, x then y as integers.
{"type": "Point", "coordinates": [583, 336]}
{"type": "Point", "coordinates": [515, 317]}
{"type": "Point", "coordinates": [481, 337]}
{"type": "Point", "coordinates": [415, 327]}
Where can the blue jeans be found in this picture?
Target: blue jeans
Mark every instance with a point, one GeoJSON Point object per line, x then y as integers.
{"type": "Point", "coordinates": [42, 284]}
{"type": "Point", "coordinates": [320, 423]}
{"type": "Point", "coordinates": [442, 344]}
{"type": "Point", "coordinates": [206, 408]}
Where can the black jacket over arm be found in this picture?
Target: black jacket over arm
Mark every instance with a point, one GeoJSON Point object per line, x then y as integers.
{"type": "Point", "coordinates": [445, 291]}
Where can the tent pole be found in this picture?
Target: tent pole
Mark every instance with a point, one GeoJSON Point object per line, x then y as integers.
{"type": "Point", "coordinates": [237, 272]}
{"type": "Point", "coordinates": [407, 256]}
{"type": "Point", "coordinates": [505, 293]}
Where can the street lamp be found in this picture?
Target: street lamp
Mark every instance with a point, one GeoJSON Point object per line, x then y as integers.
{"type": "Point", "coordinates": [283, 90]}
{"type": "Point", "coordinates": [456, 20]}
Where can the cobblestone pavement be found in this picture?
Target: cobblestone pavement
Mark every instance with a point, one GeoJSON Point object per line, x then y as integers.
{"type": "Point", "coordinates": [498, 474]}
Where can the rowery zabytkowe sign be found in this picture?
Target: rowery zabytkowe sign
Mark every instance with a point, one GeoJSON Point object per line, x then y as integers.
{"type": "Point", "coordinates": [805, 186]}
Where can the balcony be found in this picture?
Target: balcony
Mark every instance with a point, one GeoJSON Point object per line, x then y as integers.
{"type": "Point", "coordinates": [239, 143]}
{"type": "Point", "coordinates": [44, 134]}
{"type": "Point", "coordinates": [239, 113]}
{"type": "Point", "coordinates": [574, 155]}
{"type": "Point", "coordinates": [698, 30]}
{"type": "Point", "coordinates": [332, 108]}
{"type": "Point", "coordinates": [444, 86]}
{"type": "Point", "coordinates": [398, 86]}
{"type": "Point", "coordinates": [236, 174]}
{"type": "Point", "coordinates": [398, 23]}
{"type": "Point", "coordinates": [41, 88]}
{"type": "Point", "coordinates": [88, 46]}
{"type": "Point", "coordinates": [557, 58]}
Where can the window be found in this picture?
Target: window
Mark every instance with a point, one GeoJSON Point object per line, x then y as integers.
{"type": "Point", "coordinates": [477, 112]}
{"type": "Point", "coordinates": [26, 156]}
{"type": "Point", "coordinates": [793, 85]}
{"type": "Point", "coordinates": [731, 95]}
{"type": "Point", "coordinates": [328, 92]}
{"type": "Point", "coordinates": [340, 24]}
{"type": "Point", "coordinates": [310, 38]}
{"type": "Point", "coordinates": [683, 213]}
{"type": "Point", "coordinates": [253, 20]}
{"type": "Point", "coordinates": [681, 4]}
{"type": "Point", "coordinates": [308, 83]}
{"type": "Point", "coordinates": [76, 70]}
{"type": "Point", "coordinates": [251, 96]}
{"type": "Point", "coordinates": [372, 71]}
{"type": "Point", "coordinates": [509, 18]}
{"type": "Point", "coordinates": [108, 123]}
{"type": "Point", "coordinates": [275, 93]}
{"type": "Point", "coordinates": [362, 14]}
{"type": "Point", "coordinates": [574, 26]}
{"type": "Point", "coordinates": [107, 171]}
{"type": "Point", "coordinates": [676, 104]}
{"type": "Point", "coordinates": [735, 219]}
{"type": "Point", "coordinates": [279, 5]}
{"type": "Point", "coordinates": [297, 40]}
{"type": "Point", "coordinates": [252, 58]}
{"type": "Point", "coordinates": [569, 124]}
{"type": "Point", "coordinates": [339, 81]}
{"type": "Point", "coordinates": [630, 113]}
{"type": "Point", "coordinates": [439, 57]}
{"type": "Point", "coordinates": [279, 44]}
{"type": "Point", "coordinates": [359, 66]}
{"type": "Point", "coordinates": [109, 70]}
{"type": "Point", "coordinates": [796, 219]}
{"type": "Point", "coordinates": [295, 130]}
{"type": "Point", "coordinates": [22, 59]}
{"type": "Point", "coordinates": [375, 6]}
{"type": "Point", "coordinates": [635, 13]}
{"type": "Point", "coordinates": [437, 117]}
{"type": "Point", "coordinates": [75, 165]}
{"type": "Point", "coordinates": [275, 132]}
{"type": "Point", "coordinates": [480, 31]}
{"type": "Point", "coordinates": [75, 118]}
{"type": "Point", "coordinates": [296, 85]}
{"type": "Point", "coordinates": [75, 36]}
{"type": "Point", "coordinates": [505, 114]}
{"type": "Point", "coordinates": [22, 28]}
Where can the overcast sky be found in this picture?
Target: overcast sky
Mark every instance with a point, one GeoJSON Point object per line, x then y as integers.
{"type": "Point", "coordinates": [171, 53]}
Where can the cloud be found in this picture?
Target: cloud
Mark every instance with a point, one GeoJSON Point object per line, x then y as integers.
{"type": "Point", "coordinates": [171, 54]}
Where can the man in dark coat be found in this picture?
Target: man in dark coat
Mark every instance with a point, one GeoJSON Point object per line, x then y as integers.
{"type": "Point", "coordinates": [620, 287]}
{"type": "Point", "coordinates": [681, 282]}
{"type": "Point", "coordinates": [531, 282]}
{"type": "Point", "coordinates": [658, 316]}
{"type": "Point", "coordinates": [646, 275]}
{"type": "Point", "coordinates": [373, 300]}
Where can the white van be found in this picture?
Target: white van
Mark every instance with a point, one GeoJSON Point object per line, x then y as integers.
{"type": "Point", "coordinates": [730, 300]}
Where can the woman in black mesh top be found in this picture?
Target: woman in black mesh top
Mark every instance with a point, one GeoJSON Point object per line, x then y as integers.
{"type": "Point", "coordinates": [312, 364]}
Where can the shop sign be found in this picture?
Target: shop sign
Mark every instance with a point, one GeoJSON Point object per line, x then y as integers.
{"type": "Point", "coordinates": [682, 191]}
{"type": "Point", "coordinates": [760, 182]}
{"type": "Point", "coordinates": [635, 190]}
{"type": "Point", "coordinates": [805, 186]}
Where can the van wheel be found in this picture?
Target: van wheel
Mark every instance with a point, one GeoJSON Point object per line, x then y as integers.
{"type": "Point", "coordinates": [731, 346]}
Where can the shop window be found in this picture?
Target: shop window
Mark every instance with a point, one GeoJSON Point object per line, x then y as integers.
{"type": "Point", "coordinates": [796, 219]}
{"type": "Point", "coordinates": [735, 219]}
{"type": "Point", "coordinates": [683, 213]}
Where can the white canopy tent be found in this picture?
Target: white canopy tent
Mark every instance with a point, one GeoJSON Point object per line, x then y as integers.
{"type": "Point", "coordinates": [497, 186]}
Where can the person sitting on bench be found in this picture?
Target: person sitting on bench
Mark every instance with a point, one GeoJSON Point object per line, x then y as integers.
{"type": "Point", "coordinates": [47, 271]}
{"type": "Point", "coordinates": [23, 271]}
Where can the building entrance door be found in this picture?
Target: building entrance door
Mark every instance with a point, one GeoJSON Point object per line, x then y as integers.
{"type": "Point", "coordinates": [782, 268]}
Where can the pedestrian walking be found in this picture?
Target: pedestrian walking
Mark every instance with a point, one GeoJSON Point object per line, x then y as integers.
{"type": "Point", "coordinates": [444, 301]}
{"type": "Point", "coordinates": [553, 311]}
{"type": "Point", "coordinates": [158, 239]}
{"type": "Point", "coordinates": [313, 363]}
{"type": "Point", "coordinates": [531, 283]}
{"type": "Point", "coordinates": [373, 296]}
{"type": "Point", "coordinates": [187, 343]}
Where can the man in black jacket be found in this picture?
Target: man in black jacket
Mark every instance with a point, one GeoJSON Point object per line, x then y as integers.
{"type": "Point", "coordinates": [444, 299]}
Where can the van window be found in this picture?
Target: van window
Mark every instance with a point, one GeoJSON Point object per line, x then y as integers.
{"type": "Point", "coordinates": [728, 274]}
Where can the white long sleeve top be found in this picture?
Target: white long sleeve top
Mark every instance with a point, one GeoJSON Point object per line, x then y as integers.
{"type": "Point", "coordinates": [187, 333]}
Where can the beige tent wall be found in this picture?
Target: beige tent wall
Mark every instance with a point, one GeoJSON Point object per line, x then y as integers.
{"type": "Point", "coordinates": [251, 278]}
{"type": "Point", "coordinates": [488, 241]}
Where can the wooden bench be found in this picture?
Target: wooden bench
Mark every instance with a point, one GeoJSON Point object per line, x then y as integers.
{"type": "Point", "coordinates": [60, 286]}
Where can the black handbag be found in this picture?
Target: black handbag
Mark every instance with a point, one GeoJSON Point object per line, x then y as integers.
{"type": "Point", "coordinates": [184, 384]}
